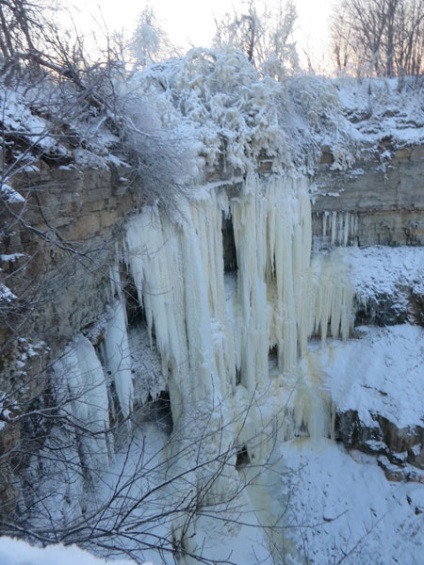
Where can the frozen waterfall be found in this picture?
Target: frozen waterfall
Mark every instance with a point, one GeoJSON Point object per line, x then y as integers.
{"type": "Point", "coordinates": [227, 341]}
{"type": "Point", "coordinates": [214, 331]}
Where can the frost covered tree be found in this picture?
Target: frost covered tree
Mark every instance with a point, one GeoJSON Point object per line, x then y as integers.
{"type": "Point", "coordinates": [264, 33]}
{"type": "Point", "coordinates": [150, 43]}
{"type": "Point", "coordinates": [385, 36]}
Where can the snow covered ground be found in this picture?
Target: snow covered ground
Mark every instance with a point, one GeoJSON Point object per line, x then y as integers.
{"type": "Point", "coordinates": [381, 270]}
{"type": "Point", "coordinates": [341, 508]}
{"type": "Point", "coordinates": [17, 552]}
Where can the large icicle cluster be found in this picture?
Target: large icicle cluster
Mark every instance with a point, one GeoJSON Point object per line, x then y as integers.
{"type": "Point", "coordinates": [280, 299]}
{"type": "Point", "coordinates": [228, 342]}
{"type": "Point", "coordinates": [214, 331]}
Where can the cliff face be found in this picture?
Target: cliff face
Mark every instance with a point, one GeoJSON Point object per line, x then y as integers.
{"type": "Point", "coordinates": [60, 258]}
{"type": "Point", "coordinates": [382, 202]}
{"type": "Point", "coordinates": [63, 236]}
{"type": "Point", "coordinates": [57, 250]}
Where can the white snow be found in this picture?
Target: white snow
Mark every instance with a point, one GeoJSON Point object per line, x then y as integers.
{"type": "Point", "coordinates": [384, 270]}
{"type": "Point", "coordinates": [10, 195]}
{"type": "Point", "coordinates": [379, 373]}
{"type": "Point", "coordinates": [12, 257]}
{"type": "Point", "coordinates": [340, 507]}
{"type": "Point", "coordinates": [17, 552]}
{"type": "Point", "coordinates": [140, 476]}
{"type": "Point", "coordinates": [6, 294]}
{"type": "Point", "coordinates": [378, 109]}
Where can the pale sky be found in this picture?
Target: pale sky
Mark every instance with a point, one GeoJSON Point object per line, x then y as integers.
{"type": "Point", "coordinates": [191, 22]}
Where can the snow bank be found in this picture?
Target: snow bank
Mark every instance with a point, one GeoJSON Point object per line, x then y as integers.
{"type": "Point", "coordinates": [384, 270]}
{"type": "Point", "coordinates": [342, 509]}
{"type": "Point", "coordinates": [17, 552]}
{"type": "Point", "coordinates": [380, 373]}
{"type": "Point", "coordinates": [378, 109]}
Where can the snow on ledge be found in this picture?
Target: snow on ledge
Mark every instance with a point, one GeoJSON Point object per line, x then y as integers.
{"type": "Point", "coordinates": [380, 373]}
{"type": "Point", "coordinates": [382, 270]}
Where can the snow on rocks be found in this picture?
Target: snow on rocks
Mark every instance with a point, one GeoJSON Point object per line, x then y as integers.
{"type": "Point", "coordinates": [388, 283]}
{"type": "Point", "coordinates": [6, 295]}
{"type": "Point", "coordinates": [375, 383]}
{"type": "Point", "coordinates": [10, 195]}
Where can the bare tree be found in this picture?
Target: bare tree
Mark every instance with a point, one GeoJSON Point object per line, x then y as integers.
{"type": "Point", "coordinates": [340, 33]}
{"type": "Point", "coordinates": [386, 35]}
{"type": "Point", "coordinates": [148, 499]}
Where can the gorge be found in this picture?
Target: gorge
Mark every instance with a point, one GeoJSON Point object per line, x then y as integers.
{"type": "Point", "coordinates": [200, 382]}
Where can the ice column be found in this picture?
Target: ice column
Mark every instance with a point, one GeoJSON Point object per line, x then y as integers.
{"type": "Point", "coordinates": [177, 267]}
{"type": "Point", "coordinates": [117, 356]}
{"type": "Point", "coordinates": [82, 394]}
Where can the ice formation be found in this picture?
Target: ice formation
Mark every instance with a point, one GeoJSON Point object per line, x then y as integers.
{"type": "Point", "coordinates": [83, 397]}
{"type": "Point", "coordinates": [339, 228]}
{"type": "Point", "coordinates": [117, 356]}
{"type": "Point", "coordinates": [212, 335]}
{"type": "Point", "coordinates": [229, 342]}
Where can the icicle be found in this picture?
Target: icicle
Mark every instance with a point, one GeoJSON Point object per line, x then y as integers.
{"type": "Point", "coordinates": [117, 356]}
{"type": "Point", "coordinates": [340, 227]}
{"type": "Point", "coordinates": [82, 391]}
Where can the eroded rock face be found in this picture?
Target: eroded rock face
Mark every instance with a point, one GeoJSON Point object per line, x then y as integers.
{"type": "Point", "coordinates": [386, 198]}
{"type": "Point", "coordinates": [9, 494]}
{"type": "Point", "coordinates": [57, 249]}
{"type": "Point", "coordinates": [384, 310]}
{"type": "Point", "coordinates": [399, 450]}
{"type": "Point", "coordinates": [63, 251]}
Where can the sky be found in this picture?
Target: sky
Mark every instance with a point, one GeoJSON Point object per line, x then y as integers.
{"type": "Point", "coordinates": [191, 22]}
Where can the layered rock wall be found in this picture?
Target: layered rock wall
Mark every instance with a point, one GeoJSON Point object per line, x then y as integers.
{"type": "Point", "coordinates": [57, 250]}
{"type": "Point", "coordinates": [386, 199]}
